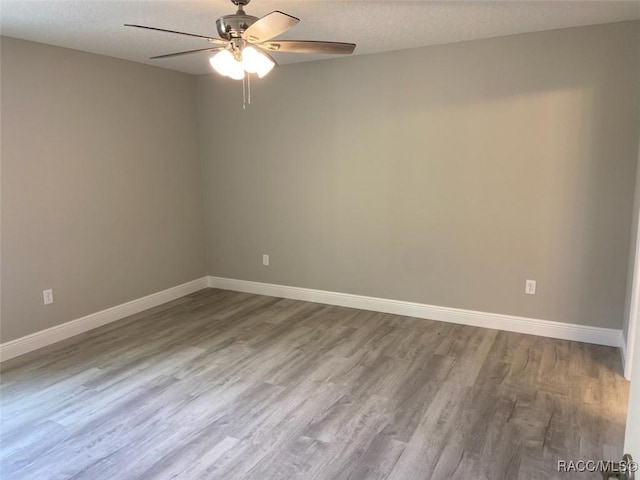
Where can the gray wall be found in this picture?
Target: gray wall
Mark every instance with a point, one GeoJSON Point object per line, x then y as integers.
{"type": "Point", "coordinates": [101, 184]}
{"type": "Point", "coordinates": [632, 246]}
{"type": "Point", "coordinates": [445, 175]}
{"type": "Point", "coordinates": [632, 433]}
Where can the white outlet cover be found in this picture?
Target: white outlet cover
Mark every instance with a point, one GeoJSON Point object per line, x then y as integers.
{"type": "Point", "coordinates": [530, 287]}
{"type": "Point", "coordinates": [47, 296]}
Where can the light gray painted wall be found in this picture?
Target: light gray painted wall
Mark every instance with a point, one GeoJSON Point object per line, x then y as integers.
{"type": "Point", "coordinates": [632, 432]}
{"type": "Point", "coordinates": [633, 241]}
{"type": "Point", "coordinates": [446, 175]}
{"type": "Point", "coordinates": [101, 183]}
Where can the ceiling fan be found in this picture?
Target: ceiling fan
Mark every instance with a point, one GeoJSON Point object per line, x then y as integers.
{"type": "Point", "coordinates": [247, 40]}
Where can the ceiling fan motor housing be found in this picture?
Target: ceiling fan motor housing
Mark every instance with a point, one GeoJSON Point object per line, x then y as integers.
{"type": "Point", "coordinates": [232, 26]}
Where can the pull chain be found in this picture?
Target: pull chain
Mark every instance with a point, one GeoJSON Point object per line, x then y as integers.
{"type": "Point", "coordinates": [246, 91]}
{"type": "Point", "coordinates": [249, 88]}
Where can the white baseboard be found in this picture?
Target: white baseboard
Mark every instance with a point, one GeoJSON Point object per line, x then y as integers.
{"type": "Point", "coordinates": [510, 323]}
{"type": "Point", "coordinates": [55, 334]}
{"type": "Point", "coordinates": [545, 328]}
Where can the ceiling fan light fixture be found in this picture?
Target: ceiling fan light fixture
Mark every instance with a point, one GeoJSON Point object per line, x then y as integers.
{"type": "Point", "coordinates": [225, 64]}
{"type": "Point", "coordinates": [237, 72]}
{"type": "Point", "coordinates": [246, 41]}
{"type": "Point", "coordinates": [254, 61]}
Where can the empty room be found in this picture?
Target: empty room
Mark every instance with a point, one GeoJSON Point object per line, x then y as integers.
{"type": "Point", "coordinates": [319, 240]}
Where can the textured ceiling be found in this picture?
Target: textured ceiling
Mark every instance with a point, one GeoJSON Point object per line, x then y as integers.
{"type": "Point", "coordinates": [375, 26]}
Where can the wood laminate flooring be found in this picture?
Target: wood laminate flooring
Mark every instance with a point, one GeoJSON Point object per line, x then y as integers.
{"type": "Point", "coordinates": [227, 385]}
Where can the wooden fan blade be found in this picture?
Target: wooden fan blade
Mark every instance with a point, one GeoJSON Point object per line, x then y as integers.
{"type": "Point", "coordinates": [269, 26]}
{"type": "Point", "coordinates": [188, 52]}
{"type": "Point", "coordinates": [309, 46]}
{"type": "Point", "coordinates": [218, 41]}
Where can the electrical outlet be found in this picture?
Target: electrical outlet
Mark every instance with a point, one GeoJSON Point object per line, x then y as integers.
{"type": "Point", "coordinates": [265, 260]}
{"type": "Point", "coordinates": [47, 296]}
{"type": "Point", "coordinates": [530, 287]}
